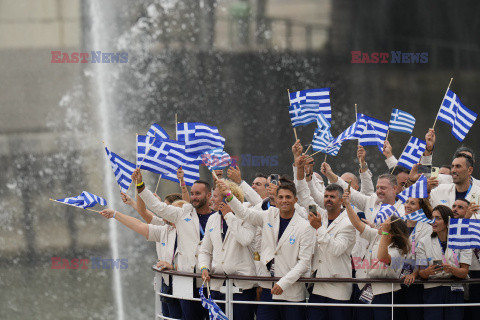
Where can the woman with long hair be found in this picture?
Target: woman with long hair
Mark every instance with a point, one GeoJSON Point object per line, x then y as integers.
{"type": "Point", "coordinates": [441, 262]}
{"type": "Point", "coordinates": [412, 293]}
{"type": "Point", "coordinates": [386, 247]}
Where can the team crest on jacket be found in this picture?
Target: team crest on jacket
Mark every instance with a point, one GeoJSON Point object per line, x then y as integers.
{"type": "Point", "coordinates": [163, 244]}
{"type": "Point", "coordinates": [270, 225]}
{"type": "Point", "coordinates": [443, 201]}
{"type": "Point", "coordinates": [292, 239]}
{"type": "Point", "coordinates": [211, 229]}
{"type": "Point", "coordinates": [187, 219]}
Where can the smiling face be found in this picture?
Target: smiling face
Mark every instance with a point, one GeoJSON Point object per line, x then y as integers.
{"type": "Point", "coordinates": [385, 191]}
{"type": "Point", "coordinates": [459, 209]}
{"type": "Point", "coordinates": [460, 170]}
{"type": "Point", "coordinates": [439, 225]}
{"type": "Point", "coordinates": [412, 205]}
{"type": "Point", "coordinates": [217, 198]}
{"type": "Point", "coordinates": [285, 201]}
{"type": "Point", "coordinates": [199, 195]}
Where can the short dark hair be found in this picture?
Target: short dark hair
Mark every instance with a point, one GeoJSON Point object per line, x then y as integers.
{"type": "Point", "coordinates": [206, 184]}
{"type": "Point", "coordinates": [172, 197]}
{"type": "Point", "coordinates": [464, 200]}
{"type": "Point", "coordinates": [464, 149]}
{"type": "Point", "coordinates": [468, 159]}
{"type": "Point", "coordinates": [260, 175]}
{"type": "Point", "coordinates": [335, 187]}
{"type": "Point", "coordinates": [285, 177]}
{"type": "Point", "coordinates": [400, 169]}
{"type": "Point", "coordinates": [288, 186]}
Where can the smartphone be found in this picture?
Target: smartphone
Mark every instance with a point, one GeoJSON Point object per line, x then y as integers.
{"type": "Point", "coordinates": [437, 263]}
{"type": "Point", "coordinates": [274, 179]}
{"type": "Point", "coordinates": [313, 208]}
{"type": "Point", "coordinates": [425, 169]}
{"type": "Point", "coordinates": [434, 173]}
{"type": "Point", "coordinates": [474, 198]}
{"type": "Point", "coordinates": [224, 199]}
{"type": "Point", "coordinates": [361, 215]}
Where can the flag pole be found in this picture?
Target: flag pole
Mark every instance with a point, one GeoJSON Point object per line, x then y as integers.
{"type": "Point", "coordinates": [325, 160]}
{"type": "Point", "coordinates": [68, 204]}
{"type": "Point", "coordinates": [294, 130]}
{"type": "Point", "coordinates": [400, 156]}
{"type": "Point", "coordinates": [158, 182]}
{"type": "Point", "coordinates": [176, 122]}
{"type": "Point", "coordinates": [356, 112]}
{"type": "Point", "coordinates": [451, 79]}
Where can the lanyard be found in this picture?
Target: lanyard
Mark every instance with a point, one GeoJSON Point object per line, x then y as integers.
{"type": "Point", "coordinates": [268, 204]}
{"type": "Point", "coordinates": [413, 239]}
{"type": "Point", "coordinates": [455, 258]}
{"type": "Point", "coordinates": [469, 189]}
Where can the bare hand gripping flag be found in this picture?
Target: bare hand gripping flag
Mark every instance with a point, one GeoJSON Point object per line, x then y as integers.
{"type": "Point", "coordinates": [459, 117]}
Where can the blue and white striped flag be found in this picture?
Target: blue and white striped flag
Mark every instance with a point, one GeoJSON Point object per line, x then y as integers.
{"type": "Point", "coordinates": [464, 233]}
{"type": "Point", "coordinates": [122, 169]}
{"type": "Point", "coordinates": [214, 310]}
{"type": "Point", "coordinates": [216, 159]}
{"type": "Point", "coordinates": [353, 132]}
{"type": "Point", "coordinates": [199, 137]}
{"type": "Point", "coordinates": [417, 190]}
{"type": "Point", "coordinates": [301, 115]}
{"type": "Point", "coordinates": [412, 153]}
{"type": "Point", "coordinates": [322, 140]}
{"type": "Point", "coordinates": [156, 131]}
{"type": "Point", "coordinates": [401, 121]}
{"type": "Point", "coordinates": [322, 122]}
{"type": "Point", "coordinates": [374, 133]}
{"type": "Point", "coordinates": [419, 216]}
{"type": "Point", "coordinates": [165, 157]}
{"type": "Point", "coordinates": [459, 117]}
{"type": "Point", "coordinates": [386, 210]}
{"type": "Point", "coordinates": [319, 97]}
{"type": "Point", "coordinates": [84, 200]}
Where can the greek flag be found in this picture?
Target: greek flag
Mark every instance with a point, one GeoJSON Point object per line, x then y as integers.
{"type": "Point", "coordinates": [419, 216]}
{"type": "Point", "coordinates": [412, 153]}
{"type": "Point", "coordinates": [198, 137]}
{"type": "Point", "coordinates": [157, 132]}
{"type": "Point", "coordinates": [459, 117]}
{"type": "Point", "coordinates": [322, 140]}
{"type": "Point", "coordinates": [401, 121]}
{"type": "Point", "coordinates": [165, 157]}
{"type": "Point", "coordinates": [213, 309]}
{"type": "Point", "coordinates": [353, 132]}
{"type": "Point", "coordinates": [417, 190]}
{"type": "Point", "coordinates": [322, 122]}
{"type": "Point", "coordinates": [216, 159]}
{"type": "Point", "coordinates": [84, 200]}
{"type": "Point", "coordinates": [374, 132]}
{"type": "Point", "coordinates": [386, 210]}
{"type": "Point", "coordinates": [122, 169]}
{"type": "Point", "coordinates": [302, 115]}
{"type": "Point", "coordinates": [464, 233]}
{"type": "Point", "coordinates": [319, 97]}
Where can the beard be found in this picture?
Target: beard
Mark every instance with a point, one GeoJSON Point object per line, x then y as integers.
{"type": "Point", "coordinates": [200, 203]}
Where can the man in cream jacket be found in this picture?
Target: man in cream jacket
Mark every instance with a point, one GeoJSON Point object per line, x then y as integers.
{"type": "Point", "coordinates": [335, 238]}
{"type": "Point", "coordinates": [286, 251]}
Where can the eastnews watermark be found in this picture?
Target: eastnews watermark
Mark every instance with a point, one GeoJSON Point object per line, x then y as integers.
{"type": "Point", "coordinates": [389, 57]}
{"type": "Point", "coordinates": [93, 263]}
{"type": "Point", "coordinates": [89, 57]}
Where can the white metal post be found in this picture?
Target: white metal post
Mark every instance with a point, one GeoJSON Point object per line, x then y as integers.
{"type": "Point", "coordinates": [229, 299]}
{"type": "Point", "coordinates": [392, 300]}
{"type": "Point", "coordinates": [157, 287]}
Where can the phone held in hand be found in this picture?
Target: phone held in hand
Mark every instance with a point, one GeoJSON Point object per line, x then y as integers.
{"type": "Point", "coordinates": [437, 263]}
{"type": "Point", "coordinates": [474, 198]}
{"type": "Point", "coordinates": [313, 209]}
{"type": "Point", "coordinates": [274, 179]}
{"type": "Point", "coordinates": [361, 215]}
{"type": "Point", "coordinates": [425, 170]}
{"type": "Point", "coordinates": [434, 173]}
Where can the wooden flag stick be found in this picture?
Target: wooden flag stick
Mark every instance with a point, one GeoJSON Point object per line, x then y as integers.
{"type": "Point", "coordinates": [356, 112]}
{"type": "Point", "coordinates": [68, 204]}
{"type": "Point", "coordinates": [325, 160]}
{"type": "Point", "coordinates": [308, 148]}
{"type": "Point", "coordinates": [451, 79]}
{"type": "Point", "coordinates": [290, 103]}
{"type": "Point", "coordinates": [158, 182]}
{"type": "Point", "coordinates": [176, 122]}
{"type": "Point", "coordinates": [214, 174]}
{"type": "Point", "coordinates": [386, 137]}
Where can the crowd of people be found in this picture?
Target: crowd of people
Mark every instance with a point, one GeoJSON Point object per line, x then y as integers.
{"type": "Point", "coordinates": [305, 226]}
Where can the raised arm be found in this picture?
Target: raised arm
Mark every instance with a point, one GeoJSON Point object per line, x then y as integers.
{"type": "Point", "coordinates": [168, 212]}
{"type": "Point", "coordinates": [366, 183]}
{"type": "Point", "coordinates": [183, 186]}
{"type": "Point", "coordinates": [130, 222]}
{"type": "Point", "coordinates": [385, 241]}
{"type": "Point", "coordinates": [303, 192]}
{"type": "Point", "coordinates": [251, 195]}
{"type": "Point", "coordinates": [354, 219]}
{"type": "Point", "coordinates": [243, 231]}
